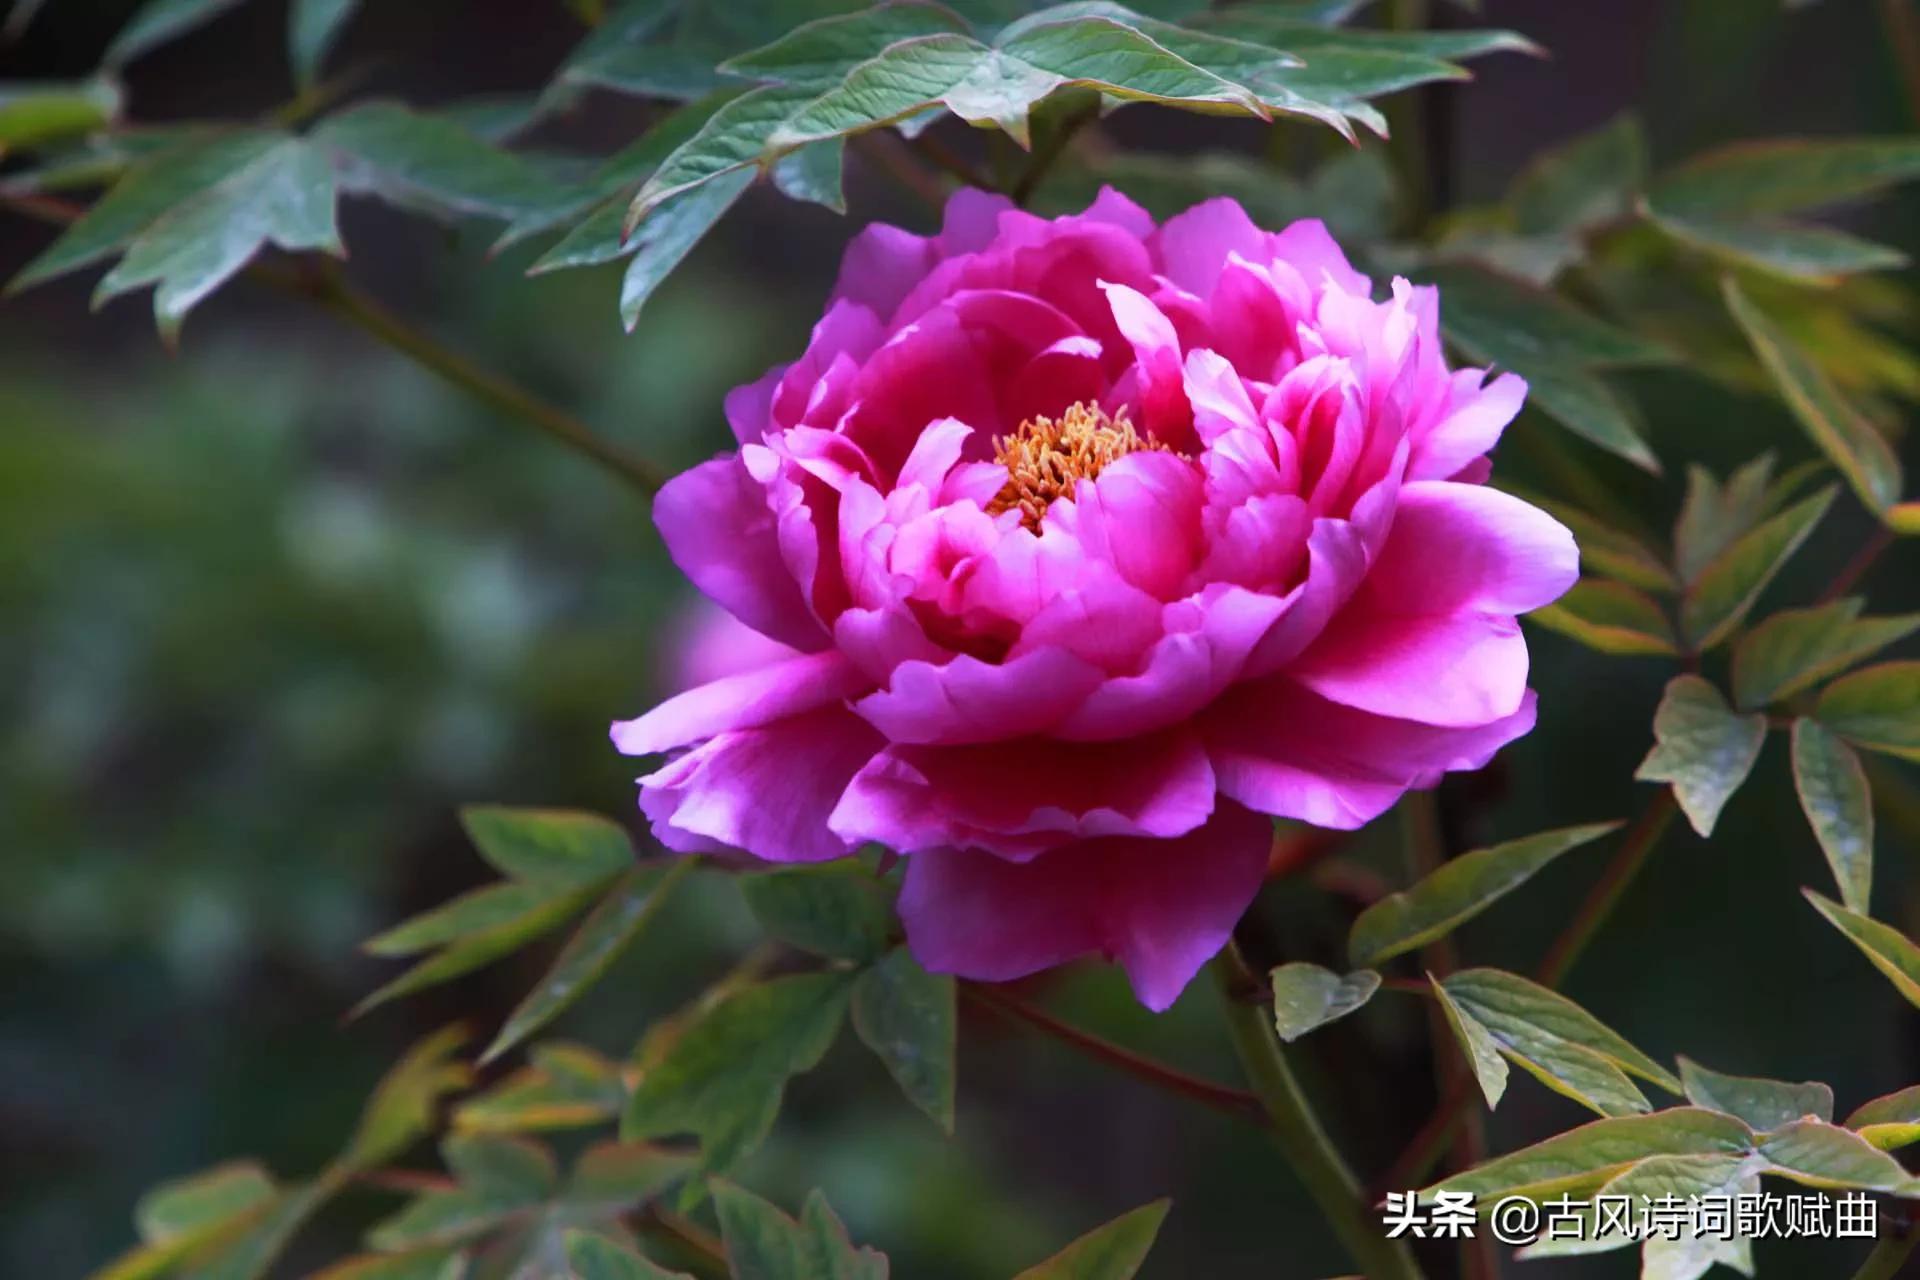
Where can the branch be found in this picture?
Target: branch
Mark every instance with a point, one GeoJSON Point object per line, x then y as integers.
{"type": "Point", "coordinates": [1238, 1103]}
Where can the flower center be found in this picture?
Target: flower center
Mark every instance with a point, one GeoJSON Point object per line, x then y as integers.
{"type": "Point", "coordinates": [1047, 455]}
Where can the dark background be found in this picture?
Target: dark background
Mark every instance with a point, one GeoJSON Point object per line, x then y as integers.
{"type": "Point", "coordinates": [272, 608]}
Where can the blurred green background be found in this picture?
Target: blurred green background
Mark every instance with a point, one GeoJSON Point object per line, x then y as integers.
{"type": "Point", "coordinates": [271, 609]}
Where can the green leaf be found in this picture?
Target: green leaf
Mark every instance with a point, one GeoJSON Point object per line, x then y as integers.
{"type": "Point", "coordinates": [414, 1264]}
{"type": "Point", "coordinates": [1761, 1104]}
{"type": "Point", "coordinates": [1832, 1158]}
{"type": "Point", "coordinates": [1702, 748]}
{"type": "Point", "coordinates": [907, 1017]}
{"type": "Point", "coordinates": [434, 164]}
{"type": "Point", "coordinates": [610, 929]}
{"type": "Point", "coordinates": [1584, 404]}
{"type": "Point", "coordinates": [501, 1169]}
{"type": "Point", "coordinates": [1458, 891]}
{"type": "Point", "coordinates": [1482, 1050]}
{"type": "Point", "coordinates": [1682, 1255]}
{"type": "Point", "coordinates": [566, 1087]}
{"type": "Point", "coordinates": [1591, 180]}
{"type": "Point", "coordinates": [560, 847]}
{"type": "Point", "coordinates": [1795, 649]}
{"type": "Point", "coordinates": [1807, 255]}
{"type": "Point", "coordinates": [1112, 1252]}
{"type": "Point", "coordinates": [723, 1079]}
{"type": "Point", "coordinates": [312, 28]}
{"type": "Point", "coordinates": [35, 113]}
{"type": "Point", "coordinates": [838, 910]}
{"type": "Point", "coordinates": [474, 950]}
{"type": "Point", "coordinates": [1838, 803]}
{"type": "Point", "coordinates": [1731, 584]}
{"type": "Point", "coordinates": [1784, 175]}
{"type": "Point", "coordinates": [665, 239]}
{"type": "Point", "coordinates": [404, 1103]}
{"type": "Point", "coordinates": [251, 1253]}
{"type": "Point", "coordinates": [765, 1244]}
{"type": "Point", "coordinates": [147, 193]}
{"type": "Point", "coordinates": [814, 174]}
{"type": "Point", "coordinates": [1306, 996]}
{"type": "Point", "coordinates": [1889, 1122]}
{"type": "Point", "coordinates": [1713, 516]}
{"type": "Point", "coordinates": [285, 197]}
{"type": "Point", "coordinates": [1876, 707]}
{"type": "Point", "coordinates": [1564, 1046]}
{"type": "Point", "coordinates": [594, 1257]}
{"type": "Point", "coordinates": [1610, 617]}
{"type": "Point", "coordinates": [1852, 443]}
{"type": "Point", "coordinates": [1582, 1160]}
{"type": "Point", "coordinates": [158, 21]}
{"type": "Point", "coordinates": [621, 1174]}
{"type": "Point", "coordinates": [820, 53]}
{"type": "Point", "coordinates": [187, 1208]}
{"type": "Point", "coordinates": [474, 912]}
{"type": "Point", "coordinates": [1891, 952]}
{"type": "Point", "coordinates": [1604, 549]}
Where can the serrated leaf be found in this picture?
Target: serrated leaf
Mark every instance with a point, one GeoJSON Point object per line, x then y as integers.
{"type": "Point", "coordinates": [1112, 1252]}
{"type": "Point", "coordinates": [907, 1017]}
{"type": "Point", "coordinates": [1889, 1122]}
{"type": "Point", "coordinates": [838, 910]}
{"type": "Point", "coordinates": [434, 164]}
{"type": "Point", "coordinates": [1731, 584]}
{"type": "Point", "coordinates": [1482, 1050]}
{"type": "Point", "coordinates": [723, 1079]}
{"type": "Point", "coordinates": [1564, 1046]}
{"type": "Point", "coordinates": [474, 950]}
{"type": "Point", "coordinates": [312, 28]}
{"type": "Point", "coordinates": [548, 846]}
{"type": "Point", "coordinates": [1891, 952]}
{"type": "Point", "coordinates": [1832, 1158]}
{"type": "Point", "coordinates": [1457, 892]}
{"type": "Point", "coordinates": [1306, 996]}
{"type": "Point", "coordinates": [1610, 617]}
{"type": "Point", "coordinates": [763, 1243]}
{"type": "Point", "coordinates": [158, 21]}
{"type": "Point", "coordinates": [1876, 707]}
{"type": "Point", "coordinates": [566, 1087]}
{"type": "Point", "coordinates": [1781, 176]}
{"type": "Point", "coordinates": [1590, 180]}
{"type": "Point", "coordinates": [1702, 748]}
{"type": "Point", "coordinates": [404, 1103]}
{"type": "Point", "coordinates": [1838, 802]}
{"type": "Point", "coordinates": [1713, 516]}
{"type": "Point", "coordinates": [1761, 1104]}
{"type": "Point", "coordinates": [665, 239]}
{"type": "Point", "coordinates": [1795, 649]}
{"type": "Point", "coordinates": [150, 190]}
{"type": "Point", "coordinates": [284, 197]}
{"type": "Point", "coordinates": [1807, 255]}
{"type": "Point", "coordinates": [35, 113]}
{"type": "Point", "coordinates": [1852, 444]}
{"type": "Point", "coordinates": [1582, 1160]}
{"type": "Point", "coordinates": [635, 899]}
{"type": "Point", "coordinates": [594, 1257]}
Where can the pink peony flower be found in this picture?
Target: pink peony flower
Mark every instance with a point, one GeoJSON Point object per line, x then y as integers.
{"type": "Point", "coordinates": [1088, 545]}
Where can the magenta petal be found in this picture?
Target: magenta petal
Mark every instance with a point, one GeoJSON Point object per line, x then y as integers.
{"type": "Point", "coordinates": [767, 791]}
{"type": "Point", "coordinates": [882, 265]}
{"type": "Point", "coordinates": [1019, 798]}
{"type": "Point", "coordinates": [1308, 248]}
{"type": "Point", "coordinates": [720, 530]}
{"type": "Point", "coordinates": [1161, 908]}
{"type": "Point", "coordinates": [1194, 245]}
{"type": "Point", "coordinates": [1440, 669]}
{"type": "Point", "coordinates": [967, 700]}
{"type": "Point", "coordinates": [1284, 750]}
{"type": "Point", "coordinates": [1472, 424]}
{"type": "Point", "coordinates": [1164, 410]}
{"type": "Point", "coordinates": [1461, 547]}
{"type": "Point", "coordinates": [743, 701]}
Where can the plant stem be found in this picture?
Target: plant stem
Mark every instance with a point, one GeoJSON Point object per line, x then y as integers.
{"type": "Point", "coordinates": [1858, 567]}
{"type": "Point", "coordinates": [1297, 1131]}
{"type": "Point", "coordinates": [331, 290]}
{"type": "Point", "coordinates": [1888, 1257]}
{"type": "Point", "coordinates": [1635, 847]}
{"type": "Point", "coordinates": [1235, 1102]}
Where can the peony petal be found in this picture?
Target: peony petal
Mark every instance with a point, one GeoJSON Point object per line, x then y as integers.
{"type": "Point", "coordinates": [967, 700]}
{"type": "Point", "coordinates": [882, 265]}
{"type": "Point", "coordinates": [1193, 246]}
{"type": "Point", "coordinates": [1284, 750]}
{"type": "Point", "coordinates": [1309, 248]}
{"type": "Point", "coordinates": [705, 643]}
{"type": "Point", "coordinates": [1021, 797]}
{"type": "Point", "coordinates": [742, 701]}
{"type": "Point", "coordinates": [1164, 411]}
{"type": "Point", "coordinates": [1161, 908]}
{"type": "Point", "coordinates": [1472, 425]}
{"type": "Point", "coordinates": [719, 528]}
{"type": "Point", "coordinates": [1440, 669]}
{"type": "Point", "coordinates": [1465, 547]}
{"type": "Point", "coordinates": [767, 790]}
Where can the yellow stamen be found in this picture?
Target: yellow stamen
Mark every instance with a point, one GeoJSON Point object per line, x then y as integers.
{"type": "Point", "coordinates": [1047, 455]}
